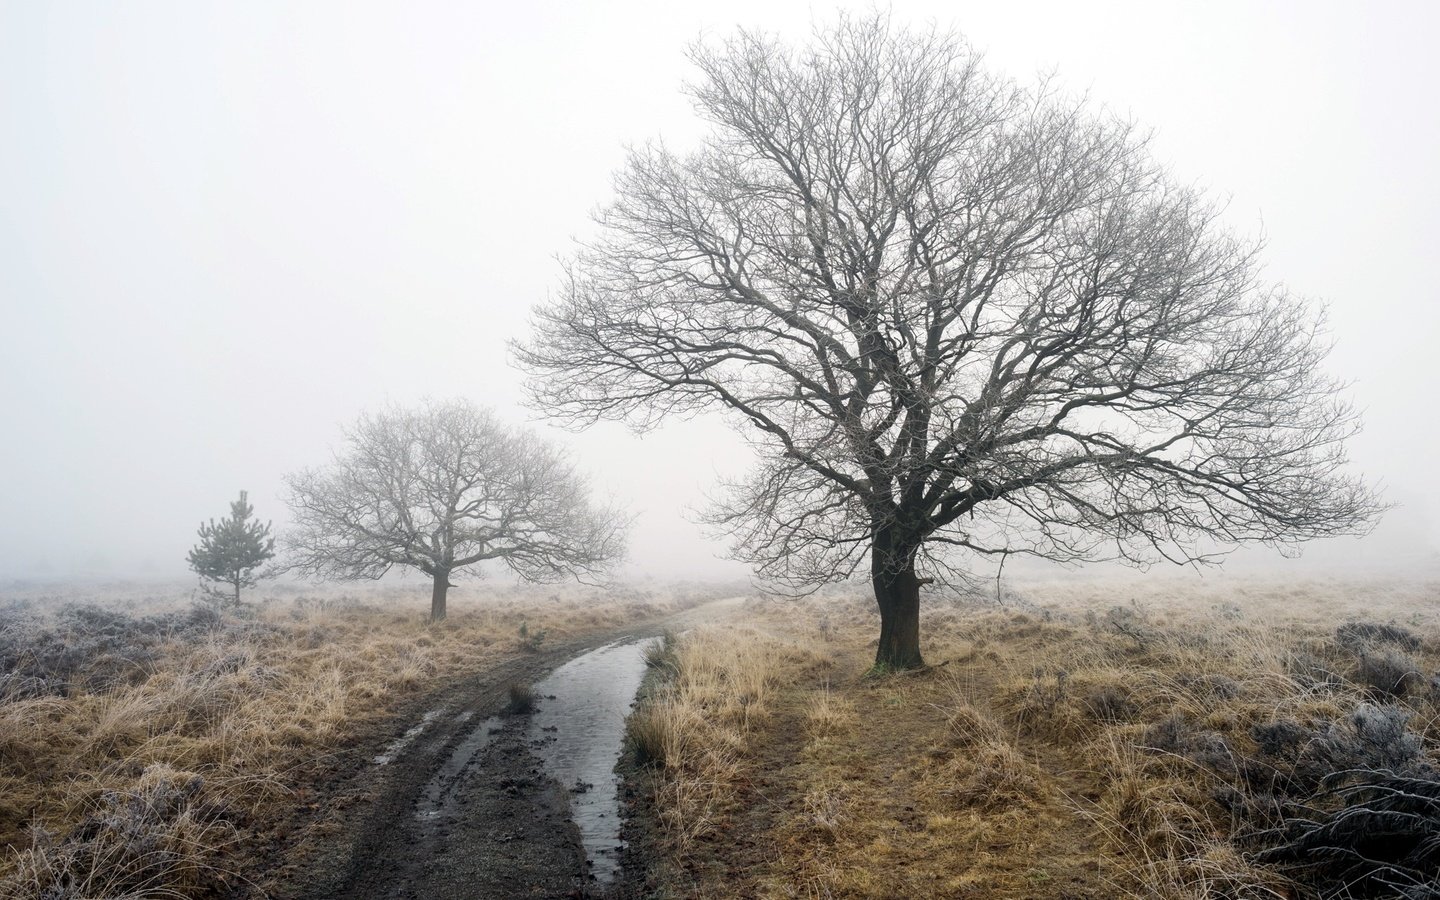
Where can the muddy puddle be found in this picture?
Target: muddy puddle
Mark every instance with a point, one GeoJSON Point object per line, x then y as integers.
{"type": "Point", "coordinates": [578, 729]}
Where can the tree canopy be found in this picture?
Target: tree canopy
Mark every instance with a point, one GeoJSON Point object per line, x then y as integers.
{"type": "Point", "coordinates": [956, 316]}
{"type": "Point", "coordinates": [231, 550]}
{"type": "Point", "coordinates": [443, 488]}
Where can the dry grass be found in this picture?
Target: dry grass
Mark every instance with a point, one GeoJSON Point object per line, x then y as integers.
{"type": "Point", "coordinates": [158, 751]}
{"type": "Point", "coordinates": [1097, 739]}
{"type": "Point", "coordinates": [697, 726]}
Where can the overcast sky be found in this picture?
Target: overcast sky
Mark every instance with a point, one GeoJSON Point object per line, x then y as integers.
{"type": "Point", "coordinates": [227, 229]}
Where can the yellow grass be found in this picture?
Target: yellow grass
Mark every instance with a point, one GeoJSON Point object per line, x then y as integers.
{"type": "Point", "coordinates": [241, 721]}
{"type": "Point", "coordinates": [702, 720]}
{"type": "Point", "coordinates": [1019, 765]}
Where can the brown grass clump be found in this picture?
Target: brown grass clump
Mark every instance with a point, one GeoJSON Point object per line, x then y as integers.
{"type": "Point", "coordinates": [651, 735]}
{"type": "Point", "coordinates": [697, 726]}
{"type": "Point", "coordinates": [159, 838]}
{"type": "Point", "coordinates": [995, 776]}
{"type": "Point", "coordinates": [969, 727]}
{"type": "Point", "coordinates": [829, 715]}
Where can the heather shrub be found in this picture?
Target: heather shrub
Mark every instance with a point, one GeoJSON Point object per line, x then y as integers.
{"type": "Point", "coordinates": [1358, 636]}
{"type": "Point", "coordinates": [158, 839]}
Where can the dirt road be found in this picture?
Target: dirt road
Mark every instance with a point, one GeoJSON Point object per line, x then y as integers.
{"type": "Point", "coordinates": [451, 801]}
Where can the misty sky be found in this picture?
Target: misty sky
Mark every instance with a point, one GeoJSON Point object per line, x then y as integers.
{"type": "Point", "coordinates": [227, 229]}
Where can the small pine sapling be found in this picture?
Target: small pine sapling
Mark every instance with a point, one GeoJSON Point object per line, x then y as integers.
{"type": "Point", "coordinates": [231, 550]}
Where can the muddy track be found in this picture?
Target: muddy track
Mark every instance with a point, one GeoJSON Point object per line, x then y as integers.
{"type": "Point", "coordinates": [461, 806]}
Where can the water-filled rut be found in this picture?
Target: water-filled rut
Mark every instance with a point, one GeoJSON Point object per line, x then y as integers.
{"type": "Point", "coordinates": [468, 800]}
{"type": "Point", "coordinates": [580, 726]}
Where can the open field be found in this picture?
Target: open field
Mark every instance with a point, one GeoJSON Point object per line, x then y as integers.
{"type": "Point", "coordinates": [1145, 737]}
{"type": "Point", "coordinates": [151, 746]}
{"type": "Point", "coordinates": [1140, 737]}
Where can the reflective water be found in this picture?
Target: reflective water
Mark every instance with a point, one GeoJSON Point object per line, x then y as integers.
{"type": "Point", "coordinates": [579, 726]}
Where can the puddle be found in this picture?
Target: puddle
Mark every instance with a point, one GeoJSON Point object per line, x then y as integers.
{"type": "Point", "coordinates": [404, 740]}
{"type": "Point", "coordinates": [579, 735]}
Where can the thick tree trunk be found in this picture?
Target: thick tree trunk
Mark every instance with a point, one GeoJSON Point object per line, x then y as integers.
{"type": "Point", "coordinates": [437, 595]}
{"type": "Point", "coordinates": [237, 594]}
{"type": "Point", "coordinates": [897, 592]}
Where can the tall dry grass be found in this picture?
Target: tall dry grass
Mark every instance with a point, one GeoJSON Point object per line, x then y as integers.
{"type": "Point", "coordinates": [141, 755]}
{"type": "Point", "coordinates": [697, 724]}
{"type": "Point", "coordinates": [1092, 738]}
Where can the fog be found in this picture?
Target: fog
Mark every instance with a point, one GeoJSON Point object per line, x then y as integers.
{"type": "Point", "coordinates": [227, 230]}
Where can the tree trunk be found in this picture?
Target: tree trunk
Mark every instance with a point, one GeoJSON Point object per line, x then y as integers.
{"type": "Point", "coordinates": [897, 592]}
{"type": "Point", "coordinates": [237, 594]}
{"type": "Point", "coordinates": [437, 594]}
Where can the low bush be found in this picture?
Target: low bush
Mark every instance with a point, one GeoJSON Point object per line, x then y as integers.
{"type": "Point", "coordinates": [158, 839]}
{"type": "Point", "coordinates": [1110, 703]}
{"type": "Point", "coordinates": [530, 638]}
{"type": "Point", "coordinates": [1369, 738]}
{"type": "Point", "coordinates": [1359, 636]}
{"type": "Point", "coordinates": [1312, 673]}
{"type": "Point", "coordinates": [89, 648]}
{"type": "Point", "coordinates": [1382, 840]}
{"type": "Point", "coordinates": [1387, 673]}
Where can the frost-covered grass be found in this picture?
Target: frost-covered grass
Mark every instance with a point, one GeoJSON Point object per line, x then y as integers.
{"type": "Point", "coordinates": [1093, 738]}
{"type": "Point", "coordinates": [145, 739]}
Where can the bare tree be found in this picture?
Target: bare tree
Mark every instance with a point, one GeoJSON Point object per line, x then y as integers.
{"type": "Point", "coordinates": [443, 488]}
{"type": "Point", "coordinates": [952, 313]}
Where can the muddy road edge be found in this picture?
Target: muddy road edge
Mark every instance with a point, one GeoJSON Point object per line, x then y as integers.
{"type": "Point", "coordinates": [357, 832]}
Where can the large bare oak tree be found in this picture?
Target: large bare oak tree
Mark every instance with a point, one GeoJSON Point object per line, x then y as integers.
{"type": "Point", "coordinates": [442, 488]}
{"type": "Point", "coordinates": [954, 314]}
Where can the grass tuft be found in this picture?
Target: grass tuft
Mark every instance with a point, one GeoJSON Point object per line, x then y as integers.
{"type": "Point", "coordinates": [650, 734]}
{"type": "Point", "coordinates": [520, 698]}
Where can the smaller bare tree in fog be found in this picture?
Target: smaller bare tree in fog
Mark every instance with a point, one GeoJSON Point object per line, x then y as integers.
{"type": "Point", "coordinates": [231, 550]}
{"type": "Point", "coordinates": [443, 488]}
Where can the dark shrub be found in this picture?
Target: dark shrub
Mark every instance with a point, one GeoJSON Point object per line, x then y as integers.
{"type": "Point", "coordinates": [1282, 739]}
{"type": "Point", "coordinates": [90, 648]}
{"type": "Point", "coordinates": [1210, 749]}
{"type": "Point", "coordinates": [1370, 738]}
{"type": "Point", "coordinates": [1110, 703]}
{"type": "Point", "coordinates": [1358, 636]}
{"type": "Point", "coordinates": [1387, 673]}
{"type": "Point", "coordinates": [1312, 672]}
{"type": "Point", "coordinates": [1210, 687]}
{"type": "Point", "coordinates": [1383, 840]}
